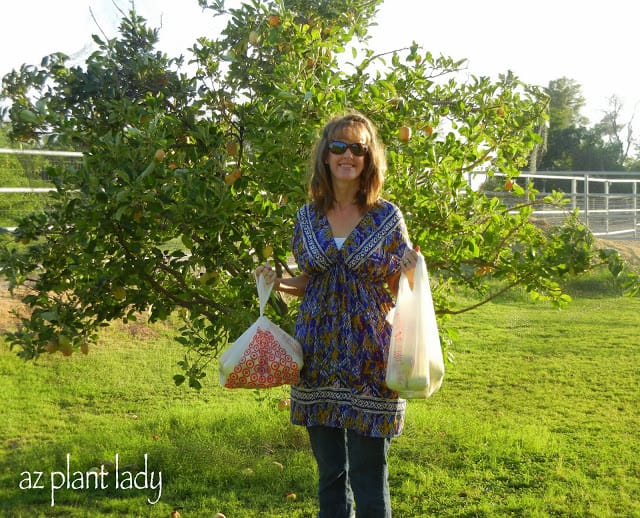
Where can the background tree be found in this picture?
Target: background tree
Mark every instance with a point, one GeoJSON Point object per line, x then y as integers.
{"type": "Point", "coordinates": [572, 145]}
{"type": "Point", "coordinates": [564, 137]}
{"type": "Point", "coordinates": [634, 160]}
{"type": "Point", "coordinates": [617, 135]}
{"type": "Point", "coordinates": [565, 104]}
{"type": "Point", "coordinates": [189, 181]}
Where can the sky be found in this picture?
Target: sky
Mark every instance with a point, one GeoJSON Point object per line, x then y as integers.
{"type": "Point", "coordinates": [592, 42]}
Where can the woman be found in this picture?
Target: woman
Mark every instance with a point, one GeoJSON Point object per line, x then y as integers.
{"type": "Point", "coordinates": [350, 246]}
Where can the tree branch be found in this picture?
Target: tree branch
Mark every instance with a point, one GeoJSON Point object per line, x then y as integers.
{"type": "Point", "coordinates": [481, 303]}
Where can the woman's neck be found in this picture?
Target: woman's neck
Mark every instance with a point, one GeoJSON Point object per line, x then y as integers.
{"type": "Point", "coordinates": [345, 196]}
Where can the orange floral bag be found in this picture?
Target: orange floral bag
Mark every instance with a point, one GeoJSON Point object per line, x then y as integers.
{"type": "Point", "coordinates": [264, 356]}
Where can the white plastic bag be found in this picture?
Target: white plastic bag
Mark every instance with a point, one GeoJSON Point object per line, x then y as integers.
{"type": "Point", "coordinates": [415, 367]}
{"type": "Point", "coordinates": [264, 355]}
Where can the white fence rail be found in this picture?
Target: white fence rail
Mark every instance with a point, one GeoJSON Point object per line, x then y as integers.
{"type": "Point", "coordinates": [607, 202]}
{"type": "Point", "coordinates": [24, 180]}
{"type": "Point", "coordinates": [39, 152]}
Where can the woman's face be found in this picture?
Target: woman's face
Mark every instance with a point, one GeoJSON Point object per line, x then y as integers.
{"type": "Point", "coordinates": [348, 166]}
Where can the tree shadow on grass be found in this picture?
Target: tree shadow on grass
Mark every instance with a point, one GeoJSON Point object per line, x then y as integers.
{"type": "Point", "coordinates": [202, 473]}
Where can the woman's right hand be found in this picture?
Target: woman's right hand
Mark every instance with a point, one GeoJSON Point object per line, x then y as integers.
{"type": "Point", "coordinates": [268, 272]}
{"type": "Point", "coordinates": [290, 285]}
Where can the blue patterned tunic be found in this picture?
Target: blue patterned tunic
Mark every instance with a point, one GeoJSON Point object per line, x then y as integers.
{"type": "Point", "coordinates": [342, 323]}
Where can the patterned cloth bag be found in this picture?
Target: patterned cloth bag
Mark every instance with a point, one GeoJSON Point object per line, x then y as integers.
{"type": "Point", "coordinates": [264, 355]}
{"type": "Point", "coordinates": [415, 368]}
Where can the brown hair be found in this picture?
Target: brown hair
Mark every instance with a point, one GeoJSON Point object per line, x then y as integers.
{"type": "Point", "coordinates": [372, 177]}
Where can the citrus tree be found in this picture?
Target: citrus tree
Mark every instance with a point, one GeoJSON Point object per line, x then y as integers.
{"type": "Point", "coordinates": [190, 179]}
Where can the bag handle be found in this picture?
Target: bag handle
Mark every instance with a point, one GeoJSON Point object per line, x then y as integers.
{"type": "Point", "coordinates": [419, 275]}
{"type": "Point", "coordinates": [420, 282]}
{"type": "Point", "coordinates": [264, 291]}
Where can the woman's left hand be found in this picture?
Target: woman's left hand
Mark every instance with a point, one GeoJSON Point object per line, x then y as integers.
{"type": "Point", "coordinates": [409, 260]}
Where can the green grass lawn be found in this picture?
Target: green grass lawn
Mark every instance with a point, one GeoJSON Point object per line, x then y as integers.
{"type": "Point", "coordinates": [538, 417]}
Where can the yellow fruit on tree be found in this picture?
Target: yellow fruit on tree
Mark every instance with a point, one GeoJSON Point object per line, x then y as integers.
{"type": "Point", "coordinates": [232, 177]}
{"type": "Point", "coordinates": [208, 276]}
{"type": "Point", "coordinates": [484, 270]}
{"type": "Point", "coordinates": [159, 155]}
{"type": "Point", "coordinates": [404, 133]}
{"type": "Point", "coordinates": [27, 116]}
{"type": "Point", "coordinates": [64, 345]}
{"type": "Point", "coordinates": [51, 347]}
{"type": "Point", "coordinates": [119, 293]}
{"type": "Point", "coordinates": [232, 147]}
{"type": "Point", "coordinates": [273, 20]}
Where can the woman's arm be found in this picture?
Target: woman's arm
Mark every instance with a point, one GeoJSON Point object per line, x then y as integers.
{"type": "Point", "coordinates": [393, 281]}
{"type": "Point", "coordinates": [290, 285]}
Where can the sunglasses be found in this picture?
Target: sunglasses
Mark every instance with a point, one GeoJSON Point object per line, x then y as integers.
{"type": "Point", "coordinates": [337, 147]}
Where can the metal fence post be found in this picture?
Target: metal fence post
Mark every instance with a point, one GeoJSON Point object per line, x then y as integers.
{"type": "Point", "coordinates": [607, 214]}
{"type": "Point", "coordinates": [586, 200]}
{"type": "Point", "coordinates": [636, 226]}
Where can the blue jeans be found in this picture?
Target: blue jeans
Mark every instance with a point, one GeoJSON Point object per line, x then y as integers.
{"type": "Point", "coordinates": [351, 467]}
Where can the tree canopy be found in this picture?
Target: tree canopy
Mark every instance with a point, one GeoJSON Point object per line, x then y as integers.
{"type": "Point", "coordinates": [189, 180]}
{"type": "Point", "coordinates": [565, 103]}
{"type": "Point", "coordinates": [573, 145]}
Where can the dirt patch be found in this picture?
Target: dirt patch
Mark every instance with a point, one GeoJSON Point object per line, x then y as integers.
{"type": "Point", "coordinates": [11, 303]}
{"type": "Point", "coordinates": [629, 248]}
{"type": "Point", "coordinates": [8, 304]}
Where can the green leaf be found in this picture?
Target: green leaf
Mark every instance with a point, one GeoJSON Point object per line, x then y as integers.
{"type": "Point", "coordinates": [194, 383]}
{"type": "Point", "coordinates": [50, 316]}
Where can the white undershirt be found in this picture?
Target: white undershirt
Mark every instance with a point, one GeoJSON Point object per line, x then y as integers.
{"type": "Point", "coordinates": [339, 241]}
